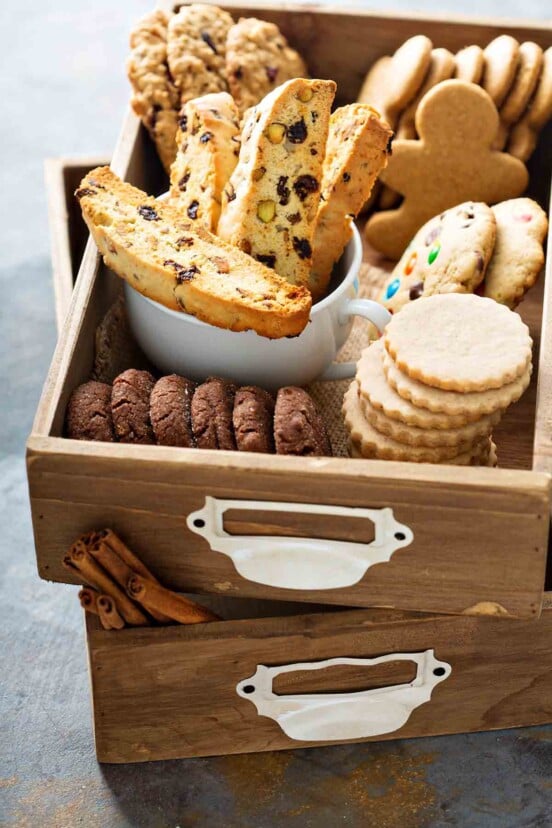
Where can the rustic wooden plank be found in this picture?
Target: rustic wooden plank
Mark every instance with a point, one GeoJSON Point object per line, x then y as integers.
{"type": "Point", "coordinates": [173, 694]}
{"type": "Point", "coordinates": [68, 232]}
{"type": "Point", "coordinates": [478, 541]}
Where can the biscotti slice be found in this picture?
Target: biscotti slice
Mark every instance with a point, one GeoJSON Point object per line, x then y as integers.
{"type": "Point", "coordinates": [269, 205]}
{"type": "Point", "coordinates": [155, 98]}
{"type": "Point", "coordinates": [359, 143]}
{"type": "Point", "coordinates": [259, 58]}
{"type": "Point", "coordinates": [196, 49]}
{"type": "Point", "coordinates": [208, 145]}
{"type": "Point", "coordinates": [163, 256]}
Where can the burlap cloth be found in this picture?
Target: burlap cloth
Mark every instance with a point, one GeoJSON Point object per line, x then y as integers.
{"type": "Point", "coordinates": [116, 350]}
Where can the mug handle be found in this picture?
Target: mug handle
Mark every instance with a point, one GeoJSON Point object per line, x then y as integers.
{"type": "Point", "coordinates": [376, 314]}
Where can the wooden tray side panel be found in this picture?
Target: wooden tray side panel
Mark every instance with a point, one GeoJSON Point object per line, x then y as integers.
{"type": "Point", "coordinates": [478, 546]}
{"type": "Point", "coordinates": [171, 693]}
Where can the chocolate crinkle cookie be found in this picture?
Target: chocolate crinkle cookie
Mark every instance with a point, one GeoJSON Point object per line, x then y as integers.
{"type": "Point", "coordinates": [171, 411]}
{"type": "Point", "coordinates": [298, 426]}
{"type": "Point", "coordinates": [130, 406]}
{"type": "Point", "coordinates": [212, 410]}
{"type": "Point", "coordinates": [89, 413]}
{"type": "Point", "coordinates": [253, 419]}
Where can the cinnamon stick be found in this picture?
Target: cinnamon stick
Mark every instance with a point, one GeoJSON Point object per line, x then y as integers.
{"type": "Point", "coordinates": [94, 575]}
{"type": "Point", "coordinates": [88, 598]}
{"type": "Point", "coordinates": [119, 570]}
{"type": "Point", "coordinates": [126, 555]}
{"type": "Point", "coordinates": [154, 596]}
{"type": "Point", "coordinates": [109, 615]}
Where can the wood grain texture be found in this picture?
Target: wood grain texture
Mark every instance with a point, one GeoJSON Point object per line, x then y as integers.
{"type": "Point", "coordinates": [479, 538]}
{"type": "Point", "coordinates": [480, 534]}
{"type": "Point", "coordinates": [68, 232]}
{"type": "Point", "coordinates": [170, 693]}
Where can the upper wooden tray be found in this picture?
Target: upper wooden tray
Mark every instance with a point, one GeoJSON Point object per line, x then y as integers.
{"type": "Point", "coordinates": [480, 535]}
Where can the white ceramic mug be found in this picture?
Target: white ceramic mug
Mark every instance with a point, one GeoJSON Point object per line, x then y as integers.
{"type": "Point", "coordinates": [177, 342]}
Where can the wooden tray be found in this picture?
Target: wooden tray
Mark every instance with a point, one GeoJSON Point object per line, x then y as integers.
{"type": "Point", "coordinates": [480, 535]}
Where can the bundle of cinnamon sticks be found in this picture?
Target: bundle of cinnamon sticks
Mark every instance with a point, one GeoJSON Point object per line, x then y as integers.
{"type": "Point", "coordinates": [121, 590]}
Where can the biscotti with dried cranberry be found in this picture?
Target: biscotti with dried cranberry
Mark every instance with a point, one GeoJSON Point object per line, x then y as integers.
{"type": "Point", "coordinates": [359, 144]}
{"type": "Point", "coordinates": [208, 145]}
{"type": "Point", "coordinates": [270, 203]}
{"type": "Point", "coordinates": [162, 255]}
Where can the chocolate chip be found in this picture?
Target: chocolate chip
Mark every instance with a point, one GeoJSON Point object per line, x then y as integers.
{"type": "Point", "coordinates": [314, 117]}
{"type": "Point", "coordinates": [183, 181]}
{"type": "Point", "coordinates": [314, 151]}
{"type": "Point", "coordinates": [267, 259]}
{"type": "Point", "coordinates": [85, 191]}
{"type": "Point", "coordinates": [206, 37]}
{"type": "Point", "coordinates": [304, 185]}
{"type": "Point", "coordinates": [346, 177]}
{"type": "Point", "coordinates": [183, 122]}
{"type": "Point", "coordinates": [282, 190]}
{"type": "Point", "coordinates": [271, 73]}
{"type": "Point", "coordinates": [183, 274]}
{"type": "Point", "coordinates": [416, 290]}
{"type": "Point", "coordinates": [302, 248]}
{"type": "Point", "coordinates": [293, 218]}
{"type": "Point", "coordinates": [148, 213]}
{"type": "Point", "coordinates": [192, 209]}
{"type": "Point", "coordinates": [205, 137]}
{"type": "Point", "coordinates": [480, 263]}
{"type": "Point", "coordinates": [297, 132]}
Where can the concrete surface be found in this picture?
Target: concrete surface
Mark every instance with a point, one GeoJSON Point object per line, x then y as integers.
{"type": "Point", "coordinates": [63, 90]}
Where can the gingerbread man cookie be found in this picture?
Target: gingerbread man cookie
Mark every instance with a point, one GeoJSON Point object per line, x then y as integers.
{"type": "Point", "coordinates": [452, 162]}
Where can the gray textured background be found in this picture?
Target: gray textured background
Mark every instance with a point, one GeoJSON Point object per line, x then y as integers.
{"type": "Point", "coordinates": [63, 92]}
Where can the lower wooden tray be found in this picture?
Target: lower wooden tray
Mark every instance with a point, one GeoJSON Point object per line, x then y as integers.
{"type": "Point", "coordinates": [264, 683]}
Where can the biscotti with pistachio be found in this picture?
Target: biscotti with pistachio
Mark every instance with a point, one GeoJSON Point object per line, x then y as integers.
{"type": "Point", "coordinates": [208, 145]}
{"type": "Point", "coordinates": [161, 254]}
{"type": "Point", "coordinates": [270, 203]}
{"type": "Point", "coordinates": [359, 144]}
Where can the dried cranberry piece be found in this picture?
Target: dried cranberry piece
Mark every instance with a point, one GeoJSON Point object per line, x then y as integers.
{"type": "Point", "coordinates": [205, 137]}
{"type": "Point", "coordinates": [282, 189]}
{"type": "Point", "coordinates": [183, 274]}
{"type": "Point", "coordinates": [85, 191]}
{"type": "Point", "coordinates": [192, 209]}
{"type": "Point", "coordinates": [148, 213]}
{"type": "Point", "coordinates": [304, 185]}
{"type": "Point", "coordinates": [302, 248]}
{"type": "Point", "coordinates": [297, 132]}
{"type": "Point", "coordinates": [267, 259]}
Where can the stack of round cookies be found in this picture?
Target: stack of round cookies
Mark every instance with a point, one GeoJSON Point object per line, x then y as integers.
{"type": "Point", "coordinates": [441, 377]}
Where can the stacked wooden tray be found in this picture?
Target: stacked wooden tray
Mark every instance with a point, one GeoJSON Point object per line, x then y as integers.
{"type": "Point", "coordinates": [456, 606]}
